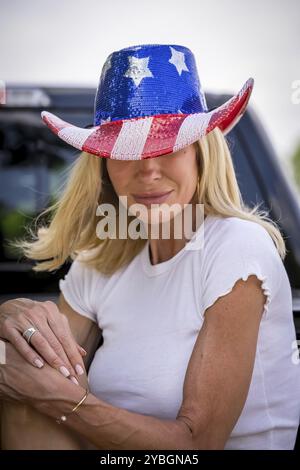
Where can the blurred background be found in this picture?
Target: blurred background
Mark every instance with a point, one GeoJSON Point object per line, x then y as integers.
{"type": "Point", "coordinates": [64, 42]}
{"type": "Point", "coordinates": [52, 53]}
{"type": "Point", "coordinates": [51, 56]}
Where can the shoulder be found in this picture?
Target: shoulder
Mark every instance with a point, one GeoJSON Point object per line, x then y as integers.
{"type": "Point", "coordinates": [236, 233]}
{"type": "Point", "coordinates": [82, 273]}
{"type": "Point", "coordinates": [234, 226]}
{"type": "Point", "coordinates": [234, 249]}
{"type": "Point", "coordinates": [234, 241]}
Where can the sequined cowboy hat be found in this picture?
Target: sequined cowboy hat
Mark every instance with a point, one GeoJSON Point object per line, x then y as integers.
{"type": "Point", "coordinates": [149, 102]}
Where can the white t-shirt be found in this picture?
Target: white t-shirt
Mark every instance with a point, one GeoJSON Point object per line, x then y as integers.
{"type": "Point", "coordinates": [151, 316]}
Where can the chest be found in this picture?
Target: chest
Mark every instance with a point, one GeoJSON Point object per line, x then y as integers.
{"type": "Point", "coordinates": [148, 338]}
{"type": "Point", "coordinates": [149, 308]}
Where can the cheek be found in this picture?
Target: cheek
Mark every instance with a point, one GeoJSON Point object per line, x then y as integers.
{"type": "Point", "coordinates": [186, 177]}
{"type": "Point", "coordinates": [118, 176]}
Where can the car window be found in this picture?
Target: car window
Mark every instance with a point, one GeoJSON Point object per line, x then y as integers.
{"type": "Point", "coordinates": [32, 164]}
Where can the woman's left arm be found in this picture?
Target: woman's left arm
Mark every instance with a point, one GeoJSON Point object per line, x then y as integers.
{"type": "Point", "coordinates": [215, 387]}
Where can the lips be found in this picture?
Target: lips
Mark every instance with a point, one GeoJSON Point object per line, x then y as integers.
{"type": "Point", "coordinates": [152, 198]}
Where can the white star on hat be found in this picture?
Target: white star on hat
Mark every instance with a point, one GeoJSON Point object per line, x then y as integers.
{"type": "Point", "coordinates": [138, 69]}
{"type": "Point", "coordinates": [177, 59]}
{"type": "Point", "coordinates": [103, 121]}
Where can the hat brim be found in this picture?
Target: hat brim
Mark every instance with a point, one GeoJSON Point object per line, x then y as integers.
{"type": "Point", "coordinates": [151, 136]}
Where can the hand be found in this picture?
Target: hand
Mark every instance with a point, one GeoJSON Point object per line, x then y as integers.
{"type": "Point", "coordinates": [53, 341]}
{"type": "Point", "coordinates": [22, 382]}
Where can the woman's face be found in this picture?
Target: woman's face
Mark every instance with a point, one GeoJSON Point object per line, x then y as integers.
{"type": "Point", "coordinates": [175, 173]}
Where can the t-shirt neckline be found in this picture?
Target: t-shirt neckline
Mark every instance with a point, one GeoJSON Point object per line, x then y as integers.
{"type": "Point", "coordinates": [156, 269]}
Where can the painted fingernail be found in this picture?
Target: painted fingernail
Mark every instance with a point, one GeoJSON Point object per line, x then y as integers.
{"type": "Point", "coordinates": [64, 371]}
{"type": "Point", "coordinates": [38, 363]}
{"type": "Point", "coordinates": [79, 369]}
{"type": "Point", "coordinates": [75, 381]}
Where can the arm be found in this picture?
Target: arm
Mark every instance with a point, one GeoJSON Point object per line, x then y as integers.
{"type": "Point", "coordinates": [85, 331]}
{"type": "Point", "coordinates": [23, 427]}
{"type": "Point", "coordinates": [215, 387]}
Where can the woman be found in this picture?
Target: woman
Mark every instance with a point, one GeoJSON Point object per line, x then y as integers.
{"type": "Point", "coordinates": [197, 350]}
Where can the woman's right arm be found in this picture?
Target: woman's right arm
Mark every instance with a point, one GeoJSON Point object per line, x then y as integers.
{"type": "Point", "coordinates": [25, 428]}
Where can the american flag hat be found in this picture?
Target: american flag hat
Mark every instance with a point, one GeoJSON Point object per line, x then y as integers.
{"type": "Point", "coordinates": [149, 102]}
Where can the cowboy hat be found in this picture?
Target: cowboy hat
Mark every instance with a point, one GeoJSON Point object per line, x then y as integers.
{"type": "Point", "coordinates": [149, 102]}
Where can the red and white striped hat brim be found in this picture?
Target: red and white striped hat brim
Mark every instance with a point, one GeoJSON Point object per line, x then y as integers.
{"type": "Point", "coordinates": [146, 137]}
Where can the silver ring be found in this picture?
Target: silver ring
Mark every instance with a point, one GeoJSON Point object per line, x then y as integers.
{"type": "Point", "coordinates": [28, 333]}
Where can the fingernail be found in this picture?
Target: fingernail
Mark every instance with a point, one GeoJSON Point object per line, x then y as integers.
{"type": "Point", "coordinates": [38, 363]}
{"type": "Point", "coordinates": [79, 369]}
{"type": "Point", "coordinates": [64, 371]}
{"type": "Point", "coordinates": [75, 381]}
{"type": "Point", "coordinates": [83, 351]}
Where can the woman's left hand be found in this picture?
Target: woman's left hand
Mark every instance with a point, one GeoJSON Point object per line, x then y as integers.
{"type": "Point", "coordinates": [25, 383]}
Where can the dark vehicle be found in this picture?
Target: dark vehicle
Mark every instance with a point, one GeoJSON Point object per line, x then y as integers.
{"type": "Point", "coordinates": [33, 160]}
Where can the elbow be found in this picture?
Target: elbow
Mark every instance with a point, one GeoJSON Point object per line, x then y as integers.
{"type": "Point", "coordinates": [201, 435]}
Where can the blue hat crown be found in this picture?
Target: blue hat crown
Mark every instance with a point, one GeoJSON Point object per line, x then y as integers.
{"type": "Point", "coordinates": [148, 80]}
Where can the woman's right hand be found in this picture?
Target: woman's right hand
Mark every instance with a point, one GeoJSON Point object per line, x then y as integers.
{"type": "Point", "coordinates": [53, 341]}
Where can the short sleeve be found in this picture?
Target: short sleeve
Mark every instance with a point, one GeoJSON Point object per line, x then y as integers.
{"type": "Point", "coordinates": [240, 249]}
{"type": "Point", "coordinates": [77, 288]}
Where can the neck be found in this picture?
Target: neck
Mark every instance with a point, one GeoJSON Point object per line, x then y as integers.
{"type": "Point", "coordinates": [163, 249]}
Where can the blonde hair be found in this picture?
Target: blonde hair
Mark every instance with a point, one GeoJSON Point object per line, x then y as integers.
{"type": "Point", "coordinates": [72, 226]}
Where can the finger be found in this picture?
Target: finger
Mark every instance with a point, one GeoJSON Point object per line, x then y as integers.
{"type": "Point", "coordinates": [33, 315]}
{"type": "Point", "coordinates": [74, 380]}
{"type": "Point", "coordinates": [54, 343]}
{"type": "Point", "coordinates": [21, 345]}
{"type": "Point", "coordinates": [83, 381]}
{"type": "Point", "coordinates": [63, 332]}
{"type": "Point", "coordinates": [41, 345]}
{"type": "Point", "coordinates": [36, 317]}
{"type": "Point", "coordinates": [82, 351]}
{"type": "Point", "coordinates": [59, 324]}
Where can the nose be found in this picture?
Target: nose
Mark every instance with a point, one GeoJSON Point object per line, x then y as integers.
{"type": "Point", "coordinates": [148, 169]}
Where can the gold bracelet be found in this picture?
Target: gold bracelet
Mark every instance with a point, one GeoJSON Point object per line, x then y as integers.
{"type": "Point", "coordinates": [63, 418]}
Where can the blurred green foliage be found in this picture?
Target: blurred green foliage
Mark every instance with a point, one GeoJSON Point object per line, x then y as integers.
{"type": "Point", "coordinates": [15, 223]}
